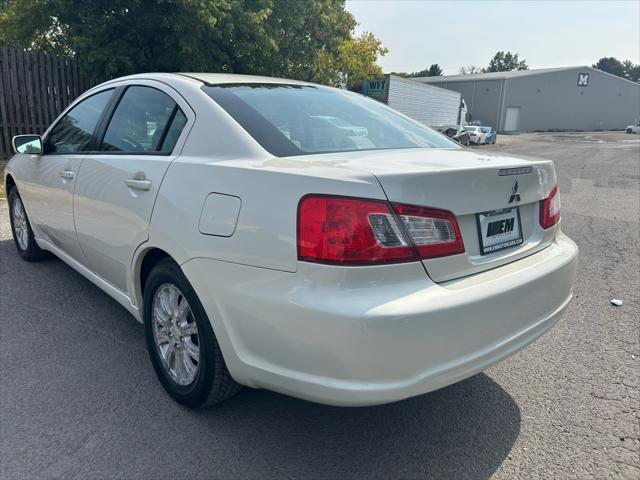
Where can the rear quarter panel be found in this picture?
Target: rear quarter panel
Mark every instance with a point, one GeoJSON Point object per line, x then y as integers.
{"type": "Point", "coordinates": [270, 189]}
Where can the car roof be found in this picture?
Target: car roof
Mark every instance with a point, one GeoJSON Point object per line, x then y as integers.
{"type": "Point", "coordinates": [227, 78]}
{"type": "Point", "coordinates": [210, 78]}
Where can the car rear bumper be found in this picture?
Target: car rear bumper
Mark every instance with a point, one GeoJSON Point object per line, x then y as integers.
{"type": "Point", "coordinates": [371, 335]}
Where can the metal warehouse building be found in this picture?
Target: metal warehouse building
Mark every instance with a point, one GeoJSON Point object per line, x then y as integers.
{"type": "Point", "coordinates": [568, 98]}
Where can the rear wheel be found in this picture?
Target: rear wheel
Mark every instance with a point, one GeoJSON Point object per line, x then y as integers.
{"type": "Point", "coordinates": [23, 237]}
{"type": "Point", "coordinates": [183, 348]}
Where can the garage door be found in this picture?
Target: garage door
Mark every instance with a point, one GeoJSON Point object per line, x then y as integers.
{"type": "Point", "coordinates": [511, 119]}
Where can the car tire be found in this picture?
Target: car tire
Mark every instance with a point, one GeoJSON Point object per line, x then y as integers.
{"type": "Point", "coordinates": [211, 383]}
{"type": "Point", "coordinates": [23, 237]}
{"type": "Point", "coordinates": [629, 130]}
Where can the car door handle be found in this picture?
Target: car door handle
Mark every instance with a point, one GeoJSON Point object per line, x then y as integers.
{"type": "Point", "coordinates": [138, 184]}
{"type": "Point", "coordinates": [67, 174]}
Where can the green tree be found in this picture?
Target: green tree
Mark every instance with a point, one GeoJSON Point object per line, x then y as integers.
{"type": "Point", "coordinates": [303, 40]}
{"type": "Point", "coordinates": [626, 69]}
{"type": "Point", "coordinates": [433, 71]}
{"type": "Point", "coordinates": [296, 39]}
{"type": "Point", "coordinates": [610, 65]}
{"type": "Point", "coordinates": [28, 24]}
{"type": "Point", "coordinates": [358, 56]}
{"type": "Point", "coordinates": [506, 62]}
{"type": "Point", "coordinates": [117, 37]}
{"type": "Point", "coordinates": [631, 71]}
{"type": "Point", "coordinates": [471, 69]}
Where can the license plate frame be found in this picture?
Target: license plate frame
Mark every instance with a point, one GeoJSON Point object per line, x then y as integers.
{"type": "Point", "coordinates": [503, 239]}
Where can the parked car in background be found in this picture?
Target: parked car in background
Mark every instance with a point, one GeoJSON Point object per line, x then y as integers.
{"type": "Point", "coordinates": [455, 132]}
{"type": "Point", "coordinates": [356, 264]}
{"type": "Point", "coordinates": [476, 135]}
{"type": "Point", "coordinates": [633, 128]}
{"type": "Point", "coordinates": [490, 134]}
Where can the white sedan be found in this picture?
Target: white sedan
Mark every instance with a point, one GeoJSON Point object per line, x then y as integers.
{"type": "Point", "coordinates": [476, 135]}
{"type": "Point", "coordinates": [633, 128]}
{"type": "Point", "coordinates": [348, 266]}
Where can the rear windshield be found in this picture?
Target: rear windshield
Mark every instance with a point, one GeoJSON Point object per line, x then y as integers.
{"type": "Point", "coordinates": [299, 120]}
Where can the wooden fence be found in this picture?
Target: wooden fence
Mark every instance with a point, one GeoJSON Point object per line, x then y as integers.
{"type": "Point", "coordinates": [34, 88]}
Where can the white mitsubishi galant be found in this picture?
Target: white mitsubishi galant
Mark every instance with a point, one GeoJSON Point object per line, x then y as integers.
{"type": "Point", "coordinates": [284, 235]}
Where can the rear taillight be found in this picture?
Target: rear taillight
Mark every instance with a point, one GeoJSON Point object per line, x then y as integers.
{"type": "Point", "coordinates": [349, 231]}
{"type": "Point", "coordinates": [354, 231]}
{"type": "Point", "coordinates": [550, 209]}
{"type": "Point", "coordinates": [434, 232]}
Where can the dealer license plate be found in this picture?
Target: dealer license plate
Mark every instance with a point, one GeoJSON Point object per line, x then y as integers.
{"type": "Point", "coordinates": [499, 229]}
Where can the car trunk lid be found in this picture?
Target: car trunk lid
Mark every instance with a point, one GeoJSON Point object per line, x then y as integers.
{"type": "Point", "coordinates": [490, 195]}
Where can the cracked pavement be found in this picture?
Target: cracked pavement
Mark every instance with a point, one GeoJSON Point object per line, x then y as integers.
{"type": "Point", "coordinates": [79, 399]}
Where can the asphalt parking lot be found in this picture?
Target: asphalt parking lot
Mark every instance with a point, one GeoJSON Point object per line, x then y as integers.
{"type": "Point", "coordinates": [79, 399]}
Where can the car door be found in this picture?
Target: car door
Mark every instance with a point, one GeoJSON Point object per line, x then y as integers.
{"type": "Point", "coordinates": [51, 177]}
{"type": "Point", "coordinates": [118, 183]}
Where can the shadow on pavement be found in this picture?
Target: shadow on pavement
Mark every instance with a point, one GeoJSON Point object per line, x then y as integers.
{"type": "Point", "coordinates": [463, 431]}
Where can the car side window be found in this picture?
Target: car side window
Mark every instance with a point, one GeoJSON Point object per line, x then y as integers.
{"type": "Point", "coordinates": [173, 132]}
{"type": "Point", "coordinates": [142, 122]}
{"type": "Point", "coordinates": [72, 134]}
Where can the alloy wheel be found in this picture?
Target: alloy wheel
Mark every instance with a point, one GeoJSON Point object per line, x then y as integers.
{"type": "Point", "coordinates": [176, 334]}
{"type": "Point", "coordinates": [20, 226]}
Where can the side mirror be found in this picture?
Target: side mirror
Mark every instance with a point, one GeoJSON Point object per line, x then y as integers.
{"type": "Point", "coordinates": [27, 144]}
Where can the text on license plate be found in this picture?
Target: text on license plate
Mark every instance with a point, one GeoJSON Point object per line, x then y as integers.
{"type": "Point", "coordinates": [499, 229]}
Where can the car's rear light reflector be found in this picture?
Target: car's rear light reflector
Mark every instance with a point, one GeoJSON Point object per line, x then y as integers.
{"type": "Point", "coordinates": [550, 209]}
{"type": "Point", "coordinates": [349, 231]}
{"type": "Point", "coordinates": [386, 230]}
{"type": "Point", "coordinates": [434, 232]}
{"type": "Point", "coordinates": [355, 231]}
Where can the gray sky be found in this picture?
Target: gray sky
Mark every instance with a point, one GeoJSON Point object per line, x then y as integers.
{"type": "Point", "coordinates": [455, 33]}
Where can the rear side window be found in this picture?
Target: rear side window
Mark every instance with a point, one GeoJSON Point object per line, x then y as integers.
{"type": "Point", "coordinates": [142, 122]}
{"type": "Point", "coordinates": [73, 132]}
{"type": "Point", "coordinates": [304, 119]}
{"type": "Point", "coordinates": [173, 132]}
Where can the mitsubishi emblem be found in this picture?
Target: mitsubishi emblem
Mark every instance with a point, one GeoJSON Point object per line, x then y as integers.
{"type": "Point", "coordinates": [515, 196]}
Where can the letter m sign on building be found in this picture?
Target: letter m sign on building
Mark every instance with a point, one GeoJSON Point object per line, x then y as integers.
{"type": "Point", "coordinates": [583, 79]}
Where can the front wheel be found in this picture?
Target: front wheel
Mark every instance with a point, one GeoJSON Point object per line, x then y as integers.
{"type": "Point", "coordinates": [183, 348]}
{"type": "Point", "coordinates": [629, 130]}
{"type": "Point", "coordinates": [23, 237]}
